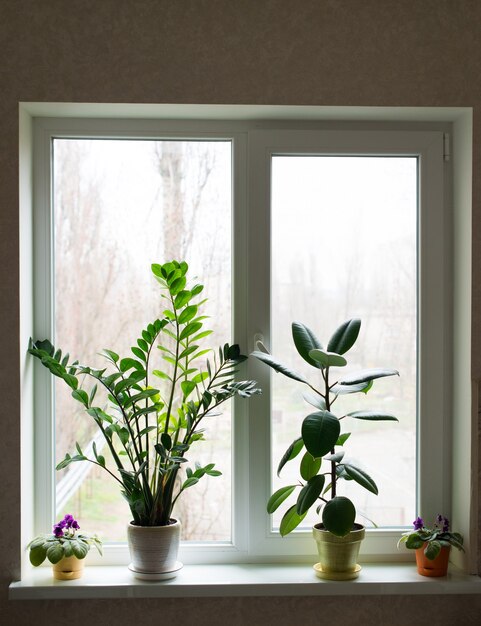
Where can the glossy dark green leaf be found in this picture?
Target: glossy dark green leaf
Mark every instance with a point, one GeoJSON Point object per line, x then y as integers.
{"type": "Point", "coordinates": [320, 432]}
{"type": "Point", "coordinates": [166, 440]}
{"type": "Point", "coordinates": [278, 367]}
{"type": "Point", "coordinates": [309, 466]}
{"type": "Point", "coordinates": [338, 516]}
{"type": "Point", "coordinates": [366, 375]}
{"type": "Point", "coordinates": [278, 498]}
{"type": "Point", "coordinates": [112, 355]}
{"type": "Point", "coordinates": [327, 359]}
{"type": "Point", "coordinates": [361, 478]}
{"type": "Point", "coordinates": [375, 416]}
{"type": "Point", "coordinates": [305, 341]}
{"type": "Point", "coordinates": [290, 521]}
{"type": "Point", "coordinates": [138, 353]}
{"type": "Point", "coordinates": [291, 453]}
{"type": "Point", "coordinates": [143, 345]}
{"type": "Point", "coordinates": [310, 493]}
{"type": "Point", "coordinates": [344, 337]}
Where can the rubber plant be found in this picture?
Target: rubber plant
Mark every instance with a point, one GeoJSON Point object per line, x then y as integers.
{"type": "Point", "coordinates": [152, 415]}
{"type": "Point", "coordinates": [321, 439]}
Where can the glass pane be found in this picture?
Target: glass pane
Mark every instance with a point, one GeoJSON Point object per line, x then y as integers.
{"type": "Point", "coordinates": [344, 246]}
{"type": "Point", "coordinates": [119, 206]}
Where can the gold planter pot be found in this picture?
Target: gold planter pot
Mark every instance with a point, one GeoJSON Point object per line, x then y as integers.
{"type": "Point", "coordinates": [153, 550]}
{"type": "Point", "coordinates": [68, 568]}
{"type": "Point", "coordinates": [338, 555]}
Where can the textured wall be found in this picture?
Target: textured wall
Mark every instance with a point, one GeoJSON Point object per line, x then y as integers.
{"type": "Point", "coordinates": [316, 52]}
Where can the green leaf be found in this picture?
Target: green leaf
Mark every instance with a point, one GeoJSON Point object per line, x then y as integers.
{"type": "Point", "coordinates": [127, 364]}
{"type": "Point", "coordinates": [338, 389]}
{"type": "Point", "coordinates": [366, 375]}
{"type": "Point", "coordinates": [54, 553]}
{"type": "Point", "coordinates": [310, 493]}
{"type": "Point", "coordinates": [315, 400]}
{"type": "Point", "coordinates": [290, 521]}
{"type": "Point", "coordinates": [305, 341]}
{"type": "Point", "coordinates": [188, 314]}
{"type": "Point", "coordinates": [342, 439]}
{"type": "Point", "coordinates": [327, 359]}
{"type": "Point", "coordinates": [432, 550]}
{"type": "Point", "coordinates": [161, 374]}
{"type": "Point", "coordinates": [278, 498]}
{"type": "Point", "coordinates": [197, 289]}
{"type": "Point", "coordinates": [80, 548]}
{"type": "Point", "coordinates": [166, 440]}
{"type": "Point", "coordinates": [187, 387]}
{"type": "Point", "coordinates": [38, 554]}
{"type": "Point", "coordinates": [81, 396]}
{"type": "Point", "coordinates": [361, 478]}
{"type": "Point", "coordinates": [190, 482]}
{"type": "Point", "coordinates": [291, 453]}
{"type": "Point", "coordinates": [177, 285]}
{"type": "Point", "coordinates": [344, 337]}
{"type": "Point", "coordinates": [278, 367]}
{"type": "Point", "coordinates": [309, 466]}
{"type": "Point", "coordinates": [338, 516]}
{"type": "Point", "coordinates": [182, 298]}
{"type": "Point", "coordinates": [414, 541]}
{"type": "Point", "coordinates": [138, 353]}
{"type": "Point", "coordinates": [320, 432]}
{"type": "Point", "coordinates": [375, 416]}
{"type": "Point", "coordinates": [143, 345]}
{"type": "Point", "coordinates": [190, 329]}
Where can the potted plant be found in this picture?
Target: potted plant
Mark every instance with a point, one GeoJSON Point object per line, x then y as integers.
{"type": "Point", "coordinates": [65, 548]}
{"type": "Point", "coordinates": [338, 537]}
{"type": "Point", "coordinates": [154, 405]}
{"type": "Point", "coordinates": [432, 545]}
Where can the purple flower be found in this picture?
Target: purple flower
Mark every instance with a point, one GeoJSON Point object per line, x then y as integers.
{"type": "Point", "coordinates": [418, 523]}
{"type": "Point", "coordinates": [75, 525]}
{"type": "Point", "coordinates": [439, 519]}
{"type": "Point", "coordinates": [445, 525]}
{"type": "Point", "coordinates": [57, 530]}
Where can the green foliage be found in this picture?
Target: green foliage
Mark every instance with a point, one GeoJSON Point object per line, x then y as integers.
{"type": "Point", "coordinates": [321, 431]}
{"type": "Point", "coordinates": [54, 548]}
{"type": "Point", "coordinates": [432, 539]}
{"type": "Point", "coordinates": [154, 416]}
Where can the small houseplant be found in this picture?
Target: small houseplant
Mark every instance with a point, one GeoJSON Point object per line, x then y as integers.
{"type": "Point", "coordinates": [432, 545]}
{"type": "Point", "coordinates": [153, 413]}
{"type": "Point", "coordinates": [65, 548]}
{"type": "Point", "coordinates": [321, 440]}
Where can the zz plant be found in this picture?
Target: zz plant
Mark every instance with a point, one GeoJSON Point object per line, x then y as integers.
{"type": "Point", "coordinates": [321, 438]}
{"type": "Point", "coordinates": [153, 415]}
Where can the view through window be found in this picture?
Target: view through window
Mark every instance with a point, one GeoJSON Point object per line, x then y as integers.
{"type": "Point", "coordinates": [119, 206]}
{"type": "Point", "coordinates": [344, 240]}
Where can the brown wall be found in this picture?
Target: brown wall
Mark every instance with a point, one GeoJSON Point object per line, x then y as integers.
{"type": "Point", "coordinates": [312, 52]}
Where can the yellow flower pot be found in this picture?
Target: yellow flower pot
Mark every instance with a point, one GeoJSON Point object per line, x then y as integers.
{"type": "Point", "coordinates": [68, 568]}
{"type": "Point", "coordinates": [338, 555]}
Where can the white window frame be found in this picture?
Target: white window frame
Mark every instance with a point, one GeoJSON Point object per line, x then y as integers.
{"type": "Point", "coordinates": [253, 146]}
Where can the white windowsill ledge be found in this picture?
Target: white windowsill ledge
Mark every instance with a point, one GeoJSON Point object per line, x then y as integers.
{"type": "Point", "coordinates": [242, 580]}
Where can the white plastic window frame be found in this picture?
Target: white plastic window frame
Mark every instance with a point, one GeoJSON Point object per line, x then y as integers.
{"type": "Point", "coordinates": [252, 538]}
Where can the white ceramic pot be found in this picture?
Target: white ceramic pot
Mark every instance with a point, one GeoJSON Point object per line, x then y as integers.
{"type": "Point", "coordinates": [153, 550]}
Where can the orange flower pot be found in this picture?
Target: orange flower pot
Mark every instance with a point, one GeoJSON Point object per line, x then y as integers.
{"type": "Point", "coordinates": [436, 567]}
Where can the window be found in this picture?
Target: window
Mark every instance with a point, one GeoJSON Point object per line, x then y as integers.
{"type": "Point", "coordinates": [262, 199]}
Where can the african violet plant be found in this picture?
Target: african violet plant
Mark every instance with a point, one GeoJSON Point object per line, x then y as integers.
{"type": "Point", "coordinates": [433, 539]}
{"type": "Point", "coordinates": [321, 435]}
{"type": "Point", "coordinates": [65, 541]}
{"type": "Point", "coordinates": [149, 428]}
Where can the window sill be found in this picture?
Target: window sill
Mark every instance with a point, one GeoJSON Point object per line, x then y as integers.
{"type": "Point", "coordinates": [242, 580]}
